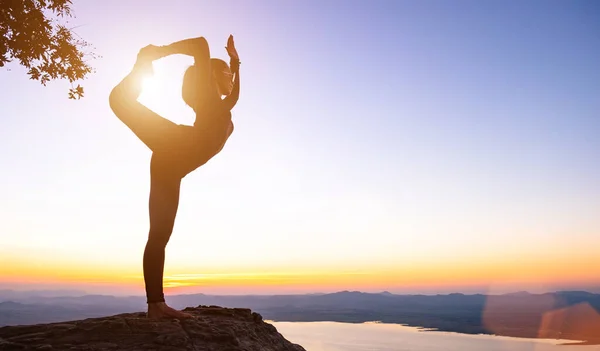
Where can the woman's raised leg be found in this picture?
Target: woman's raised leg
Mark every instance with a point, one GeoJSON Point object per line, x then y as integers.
{"type": "Point", "coordinates": [152, 129]}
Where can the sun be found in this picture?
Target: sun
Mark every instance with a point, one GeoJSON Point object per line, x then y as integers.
{"type": "Point", "coordinates": [150, 87]}
{"type": "Point", "coordinates": [152, 93]}
{"type": "Point", "coordinates": [161, 91]}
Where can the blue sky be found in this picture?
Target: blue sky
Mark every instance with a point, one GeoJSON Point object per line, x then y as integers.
{"type": "Point", "coordinates": [368, 134]}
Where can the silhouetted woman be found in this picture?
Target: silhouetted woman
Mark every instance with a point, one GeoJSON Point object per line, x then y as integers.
{"type": "Point", "coordinates": [177, 149]}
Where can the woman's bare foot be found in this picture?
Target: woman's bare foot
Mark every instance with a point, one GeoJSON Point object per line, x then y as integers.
{"type": "Point", "coordinates": [160, 310]}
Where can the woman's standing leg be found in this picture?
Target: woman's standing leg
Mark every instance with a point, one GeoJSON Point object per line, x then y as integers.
{"type": "Point", "coordinates": [163, 204]}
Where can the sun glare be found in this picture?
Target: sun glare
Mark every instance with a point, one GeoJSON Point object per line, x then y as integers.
{"type": "Point", "coordinates": [161, 91]}
{"type": "Point", "coordinates": [150, 86]}
{"type": "Point", "coordinates": [151, 96]}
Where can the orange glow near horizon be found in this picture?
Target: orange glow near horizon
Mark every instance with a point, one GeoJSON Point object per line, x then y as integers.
{"type": "Point", "coordinates": [434, 275]}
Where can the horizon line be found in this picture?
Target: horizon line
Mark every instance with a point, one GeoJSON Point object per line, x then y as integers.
{"type": "Point", "coordinates": [81, 293]}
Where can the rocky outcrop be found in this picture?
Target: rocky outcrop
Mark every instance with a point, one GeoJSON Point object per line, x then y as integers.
{"type": "Point", "coordinates": [213, 328]}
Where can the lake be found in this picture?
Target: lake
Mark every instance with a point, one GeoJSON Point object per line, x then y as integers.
{"type": "Point", "coordinates": [334, 336]}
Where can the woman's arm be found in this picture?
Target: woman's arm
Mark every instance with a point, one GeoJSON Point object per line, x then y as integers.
{"type": "Point", "coordinates": [198, 49]}
{"type": "Point", "coordinates": [230, 100]}
{"type": "Point", "coordinates": [234, 64]}
{"type": "Point", "coordinates": [195, 47]}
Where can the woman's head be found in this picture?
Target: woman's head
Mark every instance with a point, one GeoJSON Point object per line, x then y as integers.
{"type": "Point", "coordinates": [221, 75]}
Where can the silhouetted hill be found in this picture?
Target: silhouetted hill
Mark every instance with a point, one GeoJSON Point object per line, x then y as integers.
{"type": "Point", "coordinates": [7, 294]}
{"type": "Point", "coordinates": [213, 328]}
{"type": "Point", "coordinates": [522, 314]}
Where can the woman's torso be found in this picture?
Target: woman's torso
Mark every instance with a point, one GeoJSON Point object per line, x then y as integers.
{"type": "Point", "coordinates": [205, 139]}
{"type": "Point", "coordinates": [190, 147]}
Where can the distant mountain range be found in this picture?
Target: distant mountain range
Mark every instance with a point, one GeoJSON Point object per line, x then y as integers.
{"type": "Point", "coordinates": [572, 315]}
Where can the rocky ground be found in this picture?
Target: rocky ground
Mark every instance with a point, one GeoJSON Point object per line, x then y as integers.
{"type": "Point", "coordinates": [213, 328]}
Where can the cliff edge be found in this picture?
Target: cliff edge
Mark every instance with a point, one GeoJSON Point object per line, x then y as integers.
{"type": "Point", "coordinates": [213, 328]}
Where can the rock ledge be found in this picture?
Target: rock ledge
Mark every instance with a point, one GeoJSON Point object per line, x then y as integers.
{"type": "Point", "coordinates": [214, 328]}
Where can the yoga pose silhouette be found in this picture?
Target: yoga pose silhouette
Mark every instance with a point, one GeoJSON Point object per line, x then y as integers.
{"type": "Point", "coordinates": [211, 88]}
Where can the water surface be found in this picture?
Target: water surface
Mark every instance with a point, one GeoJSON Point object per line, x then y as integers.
{"type": "Point", "coordinates": [334, 336]}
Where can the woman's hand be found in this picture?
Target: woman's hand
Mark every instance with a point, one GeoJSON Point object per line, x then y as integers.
{"type": "Point", "coordinates": [234, 59]}
{"type": "Point", "coordinates": [150, 53]}
{"type": "Point", "coordinates": [231, 49]}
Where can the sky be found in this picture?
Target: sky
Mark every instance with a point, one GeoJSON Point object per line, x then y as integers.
{"type": "Point", "coordinates": [408, 146]}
